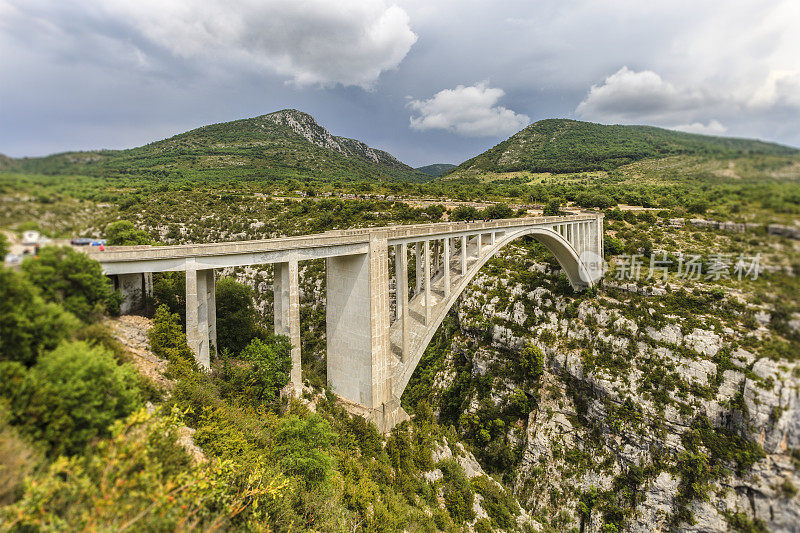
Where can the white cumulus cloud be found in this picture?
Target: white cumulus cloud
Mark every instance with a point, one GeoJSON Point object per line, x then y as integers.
{"type": "Point", "coordinates": [471, 111]}
{"type": "Point", "coordinates": [629, 96]}
{"type": "Point", "coordinates": [349, 42]}
{"type": "Point", "coordinates": [714, 127]}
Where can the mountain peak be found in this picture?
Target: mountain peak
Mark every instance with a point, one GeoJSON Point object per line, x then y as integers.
{"type": "Point", "coordinates": [305, 125]}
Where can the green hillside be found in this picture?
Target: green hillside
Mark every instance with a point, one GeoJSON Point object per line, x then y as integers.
{"type": "Point", "coordinates": [286, 144]}
{"type": "Point", "coordinates": [562, 145]}
{"type": "Point", "coordinates": [436, 169]}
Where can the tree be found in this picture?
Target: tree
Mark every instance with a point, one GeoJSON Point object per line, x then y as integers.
{"type": "Point", "coordinates": [237, 319]}
{"type": "Point", "coordinates": [303, 446]}
{"type": "Point", "coordinates": [124, 233]}
{"type": "Point", "coordinates": [71, 396]}
{"type": "Point", "coordinates": [166, 336]}
{"type": "Point", "coordinates": [28, 324]}
{"type": "Point", "coordinates": [266, 370]}
{"type": "Point", "coordinates": [169, 288]}
{"type": "Point", "coordinates": [3, 245]}
{"type": "Point", "coordinates": [531, 363]}
{"type": "Point", "coordinates": [435, 212]}
{"type": "Point", "coordinates": [496, 211]}
{"type": "Point", "coordinates": [464, 212]}
{"type": "Point", "coordinates": [73, 280]}
{"type": "Point", "coordinates": [553, 207]}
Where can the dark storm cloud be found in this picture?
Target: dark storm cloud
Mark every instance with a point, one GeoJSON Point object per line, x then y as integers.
{"type": "Point", "coordinates": [427, 81]}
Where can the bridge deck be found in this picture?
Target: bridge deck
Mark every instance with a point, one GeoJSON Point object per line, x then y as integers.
{"type": "Point", "coordinates": [135, 259]}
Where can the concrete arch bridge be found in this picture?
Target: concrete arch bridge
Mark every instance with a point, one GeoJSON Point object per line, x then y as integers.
{"type": "Point", "coordinates": [373, 347]}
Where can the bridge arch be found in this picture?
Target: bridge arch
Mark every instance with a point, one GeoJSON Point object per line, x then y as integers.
{"type": "Point", "coordinates": [579, 274]}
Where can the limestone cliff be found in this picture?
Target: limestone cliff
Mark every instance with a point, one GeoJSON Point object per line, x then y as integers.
{"type": "Point", "coordinates": [656, 409]}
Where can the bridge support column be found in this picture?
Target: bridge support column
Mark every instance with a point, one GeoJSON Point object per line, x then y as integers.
{"type": "Point", "coordinates": [446, 253]}
{"type": "Point", "coordinates": [286, 289]}
{"type": "Point", "coordinates": [479, 242]}
{"type": "Point", "coordinates": [136, 290]}
{"type": "Point", "coordinates": [427, 283]}
{"type": "Point", "coordinates": [200, 320]}
{"type": "Point", "coordinates": [418, 252]}
{"type": "Point", "coordinates": [463, 255]}
{"type": "Point", "coordinates": [401, 264]}
{"type": "Point", "coordinates": [358, 333]}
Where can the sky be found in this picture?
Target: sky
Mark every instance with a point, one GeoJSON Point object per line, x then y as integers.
{"type": "Point", "coordinates": [430, 81]}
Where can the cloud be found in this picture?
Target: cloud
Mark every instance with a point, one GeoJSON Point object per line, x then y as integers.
{"type": "Point", "coordinates": [781, 89]}
{"type": "Point", "coordinates": [629, 96]}
{"type": "Point", "coordinates": [469, 111]}
{"type": "Point", "coordinates": [313, 42]}
{"type": "Point", "coordinates": [644, 97]}
{"type": "Point", "coordinates": [714, 127]}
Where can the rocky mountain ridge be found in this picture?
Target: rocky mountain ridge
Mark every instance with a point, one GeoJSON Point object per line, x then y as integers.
{"type": "Point", "coordinates": [286, 144]}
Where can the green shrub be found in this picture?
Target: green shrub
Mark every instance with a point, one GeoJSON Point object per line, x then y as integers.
{"type": "Point", "coordinates": [263, 371]}
{"type": "Point", "coordinates": [29, 325]}
{"type": "Point", "coordinates": [237, 319]}
{"type": "Point", "coordinates": [140, 480]}
{"type": "Point", "coordinates": [531, 364]}
{"type": "Point", "coordinates": [553, 207]}
{"type": "Point", "coordinates": [73, 280]}
{"type": "Point", "coordinates": [124, 233]}
{"type": "Point", "coordinates": [17, 460]}
{"type": "Point", "coordinates": [457, 491]}
{"type": "Point", "coordinates": [167, 339]}
{"type": "Point", "coordinates": [71, 396]}
{"type": "Point", "coordinates": [498, 504]}
{"type": "Point", "coordinates": [169, 288]}
{"type": "Point", "coordinates": [302, 448]}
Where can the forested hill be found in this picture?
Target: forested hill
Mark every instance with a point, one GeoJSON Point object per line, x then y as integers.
{"type": "Point", "coordinates": [436, 169]}
{"type": "Point", "coordinates": [562, 145]}
{"type": "Point", "coordinates": [285, 144]}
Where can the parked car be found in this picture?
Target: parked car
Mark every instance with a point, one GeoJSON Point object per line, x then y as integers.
{"type": "Point", "coordinates": [99, 242]}
{"type": "Point", "coordinates": [81, 241]}
{"type": "Point", "coordinates": [12, 259]}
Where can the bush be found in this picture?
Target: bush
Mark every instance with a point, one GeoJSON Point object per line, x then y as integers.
{"type": "Point", "coordinates": [457, 491]}
{"type": "Point", "coordinates": [167, 339]}
{"type": "Point", "coordinates": [3, 245]}
{"type": "Point", "coordinates": [71, 396]}
{"type": "Point", "coordinates": [266, 370]}
{"type": "Point", "coordinates": [124, 233]}
{"type": "Point", "coordinates": [142, 481]}
{"type": "Point", "coordinates": [169, 288]}
{"type": "Point", "coordinates": [73, 280]}
{"type": "Point", "coordinates": [302, 448]}
{"type": "Point", "coordinates": [553, 207]}
{"type": "Point", "coordinates": [499, 505]}
{"type": "Point", "coordinates": [237, 319]}
{"type": "Point", "coordinates": [17, 459]}
{"type": "Point", "coordinates": [497, 211]}
{"type": "Point", "coordinates": [28, 325]}
{"type": "Point", "coordinates": [464, 212]}
{"type": "Point", "coordinates": [613, 246]}
{"type": "Point", "coordinates": [531, 363]}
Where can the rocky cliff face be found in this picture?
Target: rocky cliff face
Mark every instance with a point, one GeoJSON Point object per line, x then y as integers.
{"type": "Point", "coordinates": [658, 409]}
{"type": "Point", "coordinates": [305, 125]}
